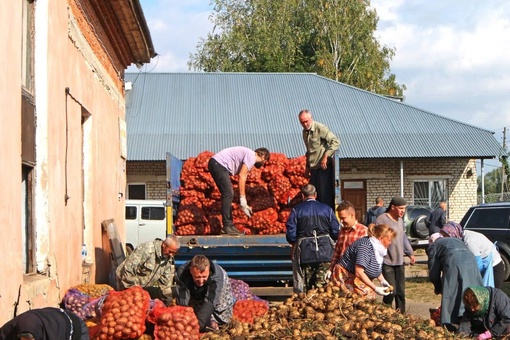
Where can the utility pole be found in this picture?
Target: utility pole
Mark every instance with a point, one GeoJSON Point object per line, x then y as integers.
{"type": "Point", "coordinates": [503, 167]}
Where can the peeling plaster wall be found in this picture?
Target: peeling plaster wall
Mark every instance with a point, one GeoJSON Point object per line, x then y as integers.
{"type": "Point", "coordinates": [79, 170]}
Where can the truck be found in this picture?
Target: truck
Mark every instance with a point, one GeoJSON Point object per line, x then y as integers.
{"type": "Point", "coordinates": [260, 259]}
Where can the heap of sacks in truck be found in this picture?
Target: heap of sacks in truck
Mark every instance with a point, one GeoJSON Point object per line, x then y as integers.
{"type": "Point", "coordinates": [271, 191]}
{"type": "Point", "coordinates": [131, 314]}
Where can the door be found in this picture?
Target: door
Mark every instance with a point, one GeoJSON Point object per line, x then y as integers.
{"type": "Point", "coordinates": [355, 192]}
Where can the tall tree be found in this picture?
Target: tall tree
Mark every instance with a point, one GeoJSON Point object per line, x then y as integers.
{"type": "Point", "coordinates": [333, 38]}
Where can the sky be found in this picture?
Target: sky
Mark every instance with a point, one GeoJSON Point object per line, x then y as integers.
{"type": "Point", "coordinates": [453, 56]}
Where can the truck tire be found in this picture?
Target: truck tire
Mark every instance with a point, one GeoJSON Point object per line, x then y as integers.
{"type": "Point", "coordinates": [419, 228]}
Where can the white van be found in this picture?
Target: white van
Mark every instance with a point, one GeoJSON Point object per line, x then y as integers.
{"type": "Point", "coordinates": [145, 221]}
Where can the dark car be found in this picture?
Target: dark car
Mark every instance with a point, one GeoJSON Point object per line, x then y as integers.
{"type": "Point", "coordinates": [492, 220]}
{"type": "Point", "coordinates": [416, 229]}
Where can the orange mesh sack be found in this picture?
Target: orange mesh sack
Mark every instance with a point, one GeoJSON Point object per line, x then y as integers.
{"type": "Point", "coordinates": [123, 315]}
{"type": "Point", "coordinates": [176, 322]}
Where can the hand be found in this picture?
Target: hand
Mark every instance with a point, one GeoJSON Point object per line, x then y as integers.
{"type": "Point", "coordinates": [381, 291]}
{"type": "Point", "coordinates": [486, 335]}
{"type": "Point", "coordinates": [385, 283]}
{"type": "Point", "coordinates": [327, 275]}
{"type": "Point", "coordinates": [244, 205]}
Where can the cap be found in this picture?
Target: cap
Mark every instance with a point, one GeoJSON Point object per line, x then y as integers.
{"type": "Point", "coordinates": [398, 201]}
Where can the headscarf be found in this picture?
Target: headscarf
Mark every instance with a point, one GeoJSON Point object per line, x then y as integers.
{"type": "Point", "coordinates": [434, 237]}
{"type": "Point", "coordinates": [453, 229]}
{"type": "Point", "coordinates": [482, 297]}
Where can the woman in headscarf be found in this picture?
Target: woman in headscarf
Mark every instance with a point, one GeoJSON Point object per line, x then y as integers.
{"type": "Point", "coordinates": [362, 262]}
{"type": "Point", "coordinates": [452, 268]}
{"type": "Point", "coordinates": [487, 256]}
{"type": "Point", "coordinates": [487, 313]}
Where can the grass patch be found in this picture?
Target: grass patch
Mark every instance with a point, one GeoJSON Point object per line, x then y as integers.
{"type": "Point", "coordinates": [420, 289]}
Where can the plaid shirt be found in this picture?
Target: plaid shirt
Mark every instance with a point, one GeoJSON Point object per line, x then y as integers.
{"type": "Point", "coordinates": [346, 237]}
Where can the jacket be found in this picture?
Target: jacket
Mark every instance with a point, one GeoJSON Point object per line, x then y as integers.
{"type": "Point", "coordinates": [213, 301]}
{"type": "Point", "coordinates": [497, 318]}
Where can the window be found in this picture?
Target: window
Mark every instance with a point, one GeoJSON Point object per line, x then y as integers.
{"type": "Point", "coordinates": [28, 134]}
{"type": "Point", "coordinates": [429, 192]}
{"type": "Point", "coordinates": [136, 191]}
{"type": "Point", "coordinates": [489, 218]}
{"type": "Point", "coordinates": [27, 225]}
{"type": "Point", "coordinates": [130, 213]}
{"type": "Point", "coordinates": [153, 213]}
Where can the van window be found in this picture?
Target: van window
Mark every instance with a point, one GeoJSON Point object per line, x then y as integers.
{"type": "Point", "coordinates": [494, 218]}
{"type": "Point", "coordinates": [131, 213]}
{"type": "Point", "coordinates": [153, 213]}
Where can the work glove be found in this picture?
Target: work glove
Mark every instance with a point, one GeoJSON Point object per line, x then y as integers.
{"type": "Point", "coordinates": [385, 284]}
{"type": "Point", "coordinates": [244, 205]}
{"type": "Point", "coordinates": [486, 335]}
{"type": "Point", "coordinates": [327, 275]}
{"type": "Point", "coordinates": [381, 291]}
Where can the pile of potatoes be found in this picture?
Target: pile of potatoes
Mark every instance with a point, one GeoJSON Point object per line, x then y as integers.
{"type": "Point", "coordinates": [327, 313]}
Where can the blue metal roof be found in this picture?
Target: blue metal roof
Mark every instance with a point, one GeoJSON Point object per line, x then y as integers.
{"type": "Point", "coordinates": [187, 113]}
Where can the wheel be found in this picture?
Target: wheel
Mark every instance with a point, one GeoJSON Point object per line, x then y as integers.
{"type": "Point", "coordinates": [506, 261]}
{"type": "Point", "coordinates": [419, 228]}
{"type": "Point", "coordinates": [129, 249]}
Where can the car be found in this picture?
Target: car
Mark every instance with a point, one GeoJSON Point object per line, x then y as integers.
{"type": "Point", "coordinates": [416, 229]}
{"type": "Point", "coordinates": [493, 221]}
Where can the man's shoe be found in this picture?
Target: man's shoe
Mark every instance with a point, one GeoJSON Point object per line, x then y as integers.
{"type": "Point", "coordinates": [231, 230]}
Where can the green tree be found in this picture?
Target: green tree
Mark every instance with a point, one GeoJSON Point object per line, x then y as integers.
{"type": "Point", "coordinates": [333, 38]}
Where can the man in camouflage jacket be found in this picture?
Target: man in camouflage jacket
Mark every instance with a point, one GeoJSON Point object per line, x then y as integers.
{"type": "Point", "coordinates": [151, 266]}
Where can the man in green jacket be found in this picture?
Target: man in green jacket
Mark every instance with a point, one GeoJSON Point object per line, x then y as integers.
{"type": "Point", "coordinates": [151, 266]}
{"type": "Point", "coordinates": [321, 144]}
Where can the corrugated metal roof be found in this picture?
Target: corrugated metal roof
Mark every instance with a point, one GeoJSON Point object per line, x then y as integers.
{"type": "Point", "coordinates": [187, 113]}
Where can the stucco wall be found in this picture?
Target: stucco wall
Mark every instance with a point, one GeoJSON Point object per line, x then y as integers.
{"type": "Point", "coordinates": [80, 173]}
{"type": "Point", "coordinates": [382, 179]}
{"type": "Point", "coordinates": [10, 174]}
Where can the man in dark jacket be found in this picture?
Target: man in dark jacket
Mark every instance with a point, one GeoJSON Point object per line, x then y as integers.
{"type": "Point", "coordinates": [205, 286]}
{"type": "Point", "coordinates": [437, 218]}
{"type": "Point", "coordinates": [312, 228]}
{"type": "Point", "coordinates": [375, 211]}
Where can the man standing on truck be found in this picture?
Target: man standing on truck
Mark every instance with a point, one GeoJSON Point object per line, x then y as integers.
{"type": "Point", "coordinates": [320, 144]}
{"type": "Point", "coordinates": [151, 266]}
{"type": "Point", "coordinates": [237, 160]}
{"type": "Point", "coordinates": [312, 228]}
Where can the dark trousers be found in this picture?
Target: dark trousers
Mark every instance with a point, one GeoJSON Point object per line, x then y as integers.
{"type": "Point", "coordinates": [221, 177]}
{"type": "Point", "coordinates": [396, 276]}
{"type": "Point", "coordinates": [499, 275]}
{"type": "Point", "coordinates": [324, 182]}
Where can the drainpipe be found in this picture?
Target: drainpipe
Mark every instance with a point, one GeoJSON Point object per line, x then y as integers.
{"type": "Point", "coordinates": [483, 181]}
{"type": "Point", "coordinates": [401, 178]}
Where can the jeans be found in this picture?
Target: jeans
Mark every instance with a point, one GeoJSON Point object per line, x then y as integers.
{"type": "Point", "coordinates": [221, 177]}
{"type": "Point", "coordinates": [396, 276]}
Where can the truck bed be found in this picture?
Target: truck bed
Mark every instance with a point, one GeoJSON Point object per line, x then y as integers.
{"type": "Point", "coordinates": [251, 258]}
